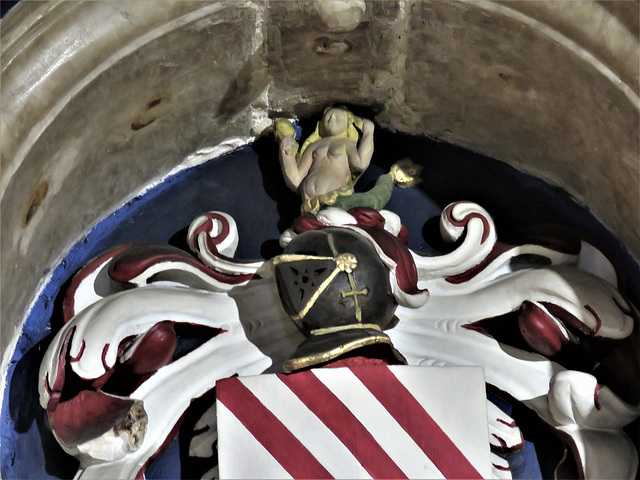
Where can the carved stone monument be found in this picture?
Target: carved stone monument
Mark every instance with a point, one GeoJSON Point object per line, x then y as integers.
{"type": "Point", "coordinates": [115, 383]}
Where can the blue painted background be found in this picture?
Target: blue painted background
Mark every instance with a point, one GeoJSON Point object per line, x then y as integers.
{"type": "Point", "coordinates": [247, 184]}
{"type": "Point", "coordinates": [6, 5]}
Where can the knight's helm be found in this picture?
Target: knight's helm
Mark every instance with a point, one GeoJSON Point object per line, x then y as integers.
{"type": "Point", "coordinates": [333, 277]}
{"type": "Point", "coordinates": [336, 289]}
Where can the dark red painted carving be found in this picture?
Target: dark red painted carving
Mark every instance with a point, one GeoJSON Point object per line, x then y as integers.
{"type": "Point", "coordinates": [154, 350]}
{"type": "Point", "coordinates": [539, 330]}
{"type": "Point", "coordinates": [207, 226]}
{"type": "Point", "coordinates": [138, 258]}
{"type": "Point", "coordinates": [466, 219]}
{"type": "Point", "coordinates": [497, 250]}
{"type": "Point", "coordinates": [68, 304]}
{"type": "Point", "coordinates": [566, 317]}
{"type": "Point", "coordinates": [596, 400]}
{"type": "Point", "coordinates": [88, 415]}
{"type": "Point", "coordinates": [598, 320]}
{"type": "Point", "coordinates": [511, 424]}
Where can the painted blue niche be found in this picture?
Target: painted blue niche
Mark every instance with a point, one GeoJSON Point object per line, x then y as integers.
{"type": "Point", "coordinates": [248, 185]}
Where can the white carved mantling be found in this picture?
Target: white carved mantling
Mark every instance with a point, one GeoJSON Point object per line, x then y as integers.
{"type": "Point", "coordinates": [430, 333]}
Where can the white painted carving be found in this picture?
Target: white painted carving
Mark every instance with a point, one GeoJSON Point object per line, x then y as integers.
{"type": "Point", "coordinates": [474, 282]}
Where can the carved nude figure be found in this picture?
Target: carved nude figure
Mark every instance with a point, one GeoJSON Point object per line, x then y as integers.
{"type": "Point", "coordinates": [324, 170]}
{"type": "Point", "coordinates": [329, 156]}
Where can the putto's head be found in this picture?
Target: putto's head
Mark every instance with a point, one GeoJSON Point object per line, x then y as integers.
{"type": "Point", "coordinates": [335, 121]}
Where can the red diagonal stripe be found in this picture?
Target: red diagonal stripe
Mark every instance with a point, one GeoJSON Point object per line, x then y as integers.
{"type": "Point", "coordinates": [414, 419]}
{"type": "Point", "coordinates": [269, 431]}
{"type": "Point", "coordinates": [344, 425]}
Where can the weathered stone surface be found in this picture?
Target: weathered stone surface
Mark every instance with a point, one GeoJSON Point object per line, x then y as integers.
{"type": "Point", "coordinates": [100, 99]}
{"type": "Point", "coordinates": [471, 81]}
{"type": "Point", "coordinates": [342, 67]}
{"type": "Point", "coordinates": [111, 138]}
{"type": "Point", "coordinates": [607, 29]}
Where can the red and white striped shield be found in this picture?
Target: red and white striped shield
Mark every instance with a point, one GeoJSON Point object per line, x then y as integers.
{"type": "Point", "coordinates": [361, 422]}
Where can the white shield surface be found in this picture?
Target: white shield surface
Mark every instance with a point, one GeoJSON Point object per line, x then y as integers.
{"type": "Point", "coordinates": [359, 422]}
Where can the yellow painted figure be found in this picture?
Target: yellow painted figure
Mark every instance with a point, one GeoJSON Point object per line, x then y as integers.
{"type": "Point", "coordinates": [324, 170]}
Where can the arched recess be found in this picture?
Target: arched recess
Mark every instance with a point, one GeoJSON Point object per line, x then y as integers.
{"type": "Point", "coordinates": [102, 99]}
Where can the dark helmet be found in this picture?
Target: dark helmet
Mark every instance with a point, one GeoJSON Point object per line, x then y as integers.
{"type": "Point", "coordinates": [334, 277]}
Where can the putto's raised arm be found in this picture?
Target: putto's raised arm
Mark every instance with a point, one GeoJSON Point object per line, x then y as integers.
{"type": "Point", "coordinates": [365, 146]}
{"type": "Point", "coordinates": [293, 171]}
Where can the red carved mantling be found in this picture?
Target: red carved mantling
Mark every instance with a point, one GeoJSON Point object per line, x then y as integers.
{"type": "Point", "coordinates": [173, 434]}
{"type": "Point", "coordinates": [212, 242]}
{"type": "Point", "coordinates": [596, 400]}
{"type": "Point", "coordinates": [496, 251]}
{"type": "Point", "coordinates": [597, 317]}
{"type": "Point", "coordinates": [363, 216]}
{"type": "Point", "coordinates": [540, 331]}
{"type": "Point", "coordinates": [77, 357]}
{"type": "Point", "coordinates": [138, 258]}
{"type": "Point", "coordinates": [92, 412]}
{"type": "Point", "coordinates": [55, 390]}
{"type": "Point", "coordinates": [511, 424]}
{"type": "Point", "coordinates": [482, 326]}
{"type": "Point", "coordinates": [88, 415]}
{"type": "Point", "coordinates": [68, 304]}
{"type": "Point", "coordinates": [626, 309]}
{"type": "Point", "coordinates": [155, 350]}
{"type": "Point", "coordinates": [367, 217]}
{"type": "Point", "coordinates": [406, 271]}
{"type": "Point", "coordinates": [357, 361]}
{"type": "Point", "coordinates": [567, 318]}
{"type": "Point", "coordinates": [573, 455]}
{"type": "Point", "coordinates": [503, 445]}
{"type": "Point", "coordinates": [500, 467]}
{"type": "Point", "coordinates": [105, 350]}
{"type": "Point", "coordinates": [403, 234]}
{"type": "Point", "coordinates": [305, 223]}
{"type": "Point", "coordinates": [372, 218]}
{"type": "Point", "coordinates": [466, 219]}
{"type": "Point", "coordinates": [101, 381]}
{"type": "Point", "coordinates": [208, 226]}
